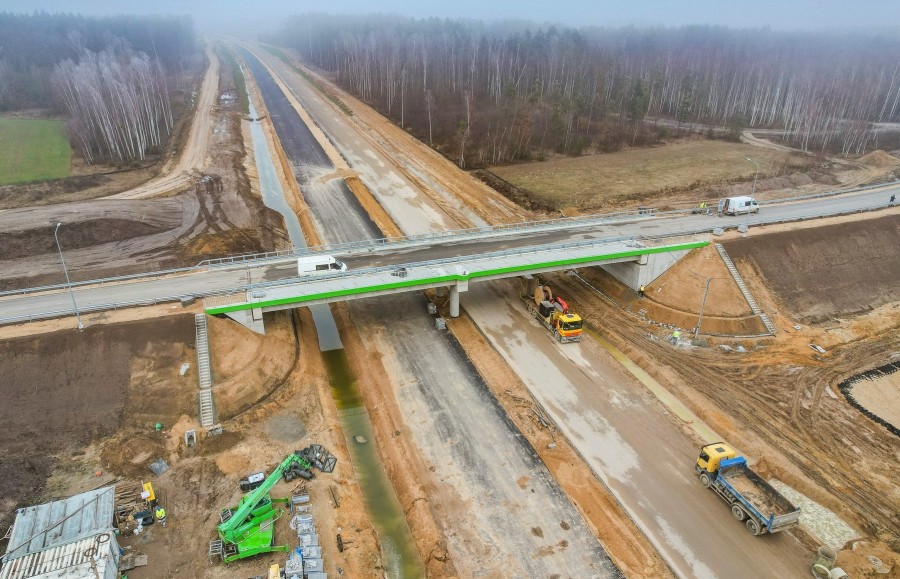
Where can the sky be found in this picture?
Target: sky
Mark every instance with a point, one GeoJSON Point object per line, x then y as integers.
{"type": "Point", "coordinates": [777, 14]}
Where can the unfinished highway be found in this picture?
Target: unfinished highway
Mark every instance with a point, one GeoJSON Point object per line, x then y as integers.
{"type": "Point", "coordinates": [612, 412]}
{"type": "Point", "coordinates": [459, 428]}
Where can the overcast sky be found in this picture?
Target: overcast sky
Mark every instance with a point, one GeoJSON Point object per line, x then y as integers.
{"type": "Point", "coordinates": [778, 14]}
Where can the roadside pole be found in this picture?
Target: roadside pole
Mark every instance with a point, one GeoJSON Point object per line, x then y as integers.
{"type": "Point", "coordinates": [66, 271]}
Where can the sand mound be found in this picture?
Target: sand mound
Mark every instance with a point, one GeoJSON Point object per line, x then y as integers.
{"type": "Point", "coordinates": [879, 159]}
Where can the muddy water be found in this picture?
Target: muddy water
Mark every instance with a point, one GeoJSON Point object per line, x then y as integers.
{"type": "Point", "coordinates": [401, 560]}
{"type": "Point", "coordinates": [400, 556]}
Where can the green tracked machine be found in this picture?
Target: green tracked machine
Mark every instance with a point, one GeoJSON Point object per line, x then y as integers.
{"type": "Point", "coordinates": [249, 528]}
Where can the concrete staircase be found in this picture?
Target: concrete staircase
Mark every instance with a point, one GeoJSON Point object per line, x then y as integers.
{"type": "Point", "coordinates": [770, 327]}
{"type": "Point", "coordinates": [207, 409]}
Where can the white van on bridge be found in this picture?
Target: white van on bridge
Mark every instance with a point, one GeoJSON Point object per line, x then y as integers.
{"type": "Point", "coordinates": [317, 263]}
{"type": "Point", "coordinates": [738, 205]}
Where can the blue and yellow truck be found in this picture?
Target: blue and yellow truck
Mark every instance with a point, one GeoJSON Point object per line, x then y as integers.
{"type": "Point", "coordinates": [753, 501]}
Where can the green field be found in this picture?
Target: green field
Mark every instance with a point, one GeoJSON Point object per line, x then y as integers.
{"type": "Point", "coordinates": [33, 150]}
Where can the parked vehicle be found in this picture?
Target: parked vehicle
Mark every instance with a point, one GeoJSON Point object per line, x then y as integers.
{"type": "Point", "coordinates": [753, 501]}
{"type": "Point", "coordinates": [314, 263]}
{"type": "Point", "coordinates": [738, 205]}
{"type": "Point", "coordinates": [553, 313]}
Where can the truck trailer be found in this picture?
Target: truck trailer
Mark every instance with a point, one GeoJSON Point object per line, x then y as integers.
{"type": "Point", "coordinates": [753, 501]}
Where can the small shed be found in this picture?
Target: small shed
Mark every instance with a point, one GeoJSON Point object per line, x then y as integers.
{"type": "Point", "coordinates": [72, 538]}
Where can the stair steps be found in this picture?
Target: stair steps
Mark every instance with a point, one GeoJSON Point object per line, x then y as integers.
{"type": "Point", "coordinates": [207, 408]}
{"type": "Point", "coordinates": [767, 322]}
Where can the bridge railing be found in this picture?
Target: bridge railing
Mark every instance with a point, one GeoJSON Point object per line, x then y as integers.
{"type": "Point", "coordinates": [246, 260]}
{"type": "Point", "coordinates": [631, 241]}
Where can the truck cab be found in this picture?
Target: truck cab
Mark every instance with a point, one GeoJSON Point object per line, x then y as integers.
{"type": "Point", "coordinates": [713, 454]}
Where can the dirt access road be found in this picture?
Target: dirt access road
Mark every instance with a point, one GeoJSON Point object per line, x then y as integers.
{"type": "Point", "coordinates": [107, 237]}
{"type": "Point", "coordinates": [473, 457]}
{"type": "Point", "coordinates": [193, 157]}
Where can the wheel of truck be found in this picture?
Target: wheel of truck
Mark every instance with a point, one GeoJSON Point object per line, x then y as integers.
{"type": "Point", "coordinates": [557, 336]}
{"type": "Point", "coordinates": [752, 526]}
{"type": "Point", "coordinates": [738, 513]}
{"type": "Point", "coordinates": [704, 480]}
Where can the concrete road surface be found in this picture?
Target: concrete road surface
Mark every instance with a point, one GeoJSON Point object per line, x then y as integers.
{"type": "Point", "coordinates": [642, 456]}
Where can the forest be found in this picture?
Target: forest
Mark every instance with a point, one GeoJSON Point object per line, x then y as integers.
{"type": "Point", "coordinates": [493, 93]}
{"type": "Point", "coordinates": [112, 77]}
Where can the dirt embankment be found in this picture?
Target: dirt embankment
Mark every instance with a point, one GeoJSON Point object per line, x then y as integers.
{"type": "Point", "coordinates": [64, 390]}
{"type": "Point", "coordinates": [676, 297]}
{"type": "Point", "coordinates": [855, 267]}
{"type": "Point", "coordinates": [78, 404]}
{"type": "Point", "coordinates": [623, 541]}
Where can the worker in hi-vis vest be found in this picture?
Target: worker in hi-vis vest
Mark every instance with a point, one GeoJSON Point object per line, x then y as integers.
{"type": "Point", "coordinates": [161, 515]}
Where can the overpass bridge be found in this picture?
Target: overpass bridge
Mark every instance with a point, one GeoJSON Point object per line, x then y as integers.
{"type": "Point", "coordinates": [422, 256]}
{"type": "Point", "coordinates": [638, 262]}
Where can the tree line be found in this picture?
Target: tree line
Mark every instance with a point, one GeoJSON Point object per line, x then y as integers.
{"type": "Point", "coordinates": [111, 76]}
{"type": "Point", "coordinates": [489, 94]}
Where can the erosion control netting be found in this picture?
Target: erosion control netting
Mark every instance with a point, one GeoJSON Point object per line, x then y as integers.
{"type": "Point", "coordinates": [847, 389]}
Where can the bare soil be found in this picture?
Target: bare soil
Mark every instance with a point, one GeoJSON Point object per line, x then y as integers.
{"type": "Point", "coordinates": [65, 389]}
{"type": "Point", "coordinates": [675, 298]}
{"type": "Point", "coordinates": [779, 402]}
{"type": "Point", "coordinates": [856, 267]}
{"type": "Point", "coordinates": [82, 415]}
{"type": "Point", "coordinates": [626, 544]}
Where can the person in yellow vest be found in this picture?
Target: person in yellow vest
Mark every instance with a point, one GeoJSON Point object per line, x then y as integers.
{"type": "Point", "coordinates": [641, 290]}
{"type": "Point", "coordinates": [675, 336]}
{"type": "Point", "coordinates": [161, 515]}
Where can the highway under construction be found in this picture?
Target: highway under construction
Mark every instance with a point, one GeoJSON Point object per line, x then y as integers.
{"type": "Point", "coordinates": [497, 393]}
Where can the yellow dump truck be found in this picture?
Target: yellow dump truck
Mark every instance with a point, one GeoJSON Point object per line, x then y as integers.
{"type": "Point", "coordinates": [753, 501]}
{"type": "Point", "coordinates": [553, 312]}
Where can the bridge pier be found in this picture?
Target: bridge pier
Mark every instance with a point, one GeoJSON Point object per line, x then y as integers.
{"type": "Point", "coordinates": [460, 286]}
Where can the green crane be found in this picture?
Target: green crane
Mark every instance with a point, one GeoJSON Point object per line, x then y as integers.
{"type": "Point", "coordinates": [249, 528]}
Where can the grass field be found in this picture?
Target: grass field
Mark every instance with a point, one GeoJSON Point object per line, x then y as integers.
{"type": "Point", "coordinates": [33, 150]}
{"type": "Point", "coordinates": [641, 174]}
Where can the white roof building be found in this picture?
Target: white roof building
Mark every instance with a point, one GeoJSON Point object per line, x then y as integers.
{"type": "Point", "coordinates": [72, 539]}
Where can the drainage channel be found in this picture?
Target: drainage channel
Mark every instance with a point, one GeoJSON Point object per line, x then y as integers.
{"type": "Point", "coordinates": [401, 559]}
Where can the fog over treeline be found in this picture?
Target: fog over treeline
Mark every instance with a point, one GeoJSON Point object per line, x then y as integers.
{"type": "Point", "coordinates": [113, 76]}
{"type": "Point", "coordinates": [490, 93]}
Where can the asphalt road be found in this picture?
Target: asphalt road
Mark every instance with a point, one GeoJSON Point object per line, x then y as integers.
{"type": "Point", "coordinates": [332, 204]}
{"type": "Point", "coordinates": [197, 282]}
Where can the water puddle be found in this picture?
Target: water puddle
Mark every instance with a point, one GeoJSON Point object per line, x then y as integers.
{"type": "Point", "coordinates": [401, 560]}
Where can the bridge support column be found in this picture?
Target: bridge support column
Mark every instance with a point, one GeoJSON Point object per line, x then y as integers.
{"type": "Point", "coordinates": [460, 286]}
{"type": "Point", "coordinates": [454, 301]}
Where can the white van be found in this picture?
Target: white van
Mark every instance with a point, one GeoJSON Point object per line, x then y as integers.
{"type": "Point", "coordinates": [738, 205]}
{"type": "Point", "coordinates": [315, 263]}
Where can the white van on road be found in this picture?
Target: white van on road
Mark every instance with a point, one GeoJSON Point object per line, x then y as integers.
{"type": "Point", "coordinates": [317, 263]}
{"type": "Point", "coordinates": [738, 205]}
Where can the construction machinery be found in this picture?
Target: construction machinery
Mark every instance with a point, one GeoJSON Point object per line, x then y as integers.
{"type": "Point", "coordinates": [753, 501]}
{"type": "Point", "coordinates": [553, 312]}
{"type": "Point", "coordinates": [248, 529]}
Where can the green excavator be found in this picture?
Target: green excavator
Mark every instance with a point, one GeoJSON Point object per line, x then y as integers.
{"type": "Point", "coordinates": [249, 528]}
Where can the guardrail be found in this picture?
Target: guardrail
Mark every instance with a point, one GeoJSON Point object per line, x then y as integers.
{"type": "Point", "coordinates": [87, 308]}
{"type": "Point", "coordinates": [380, 244]}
